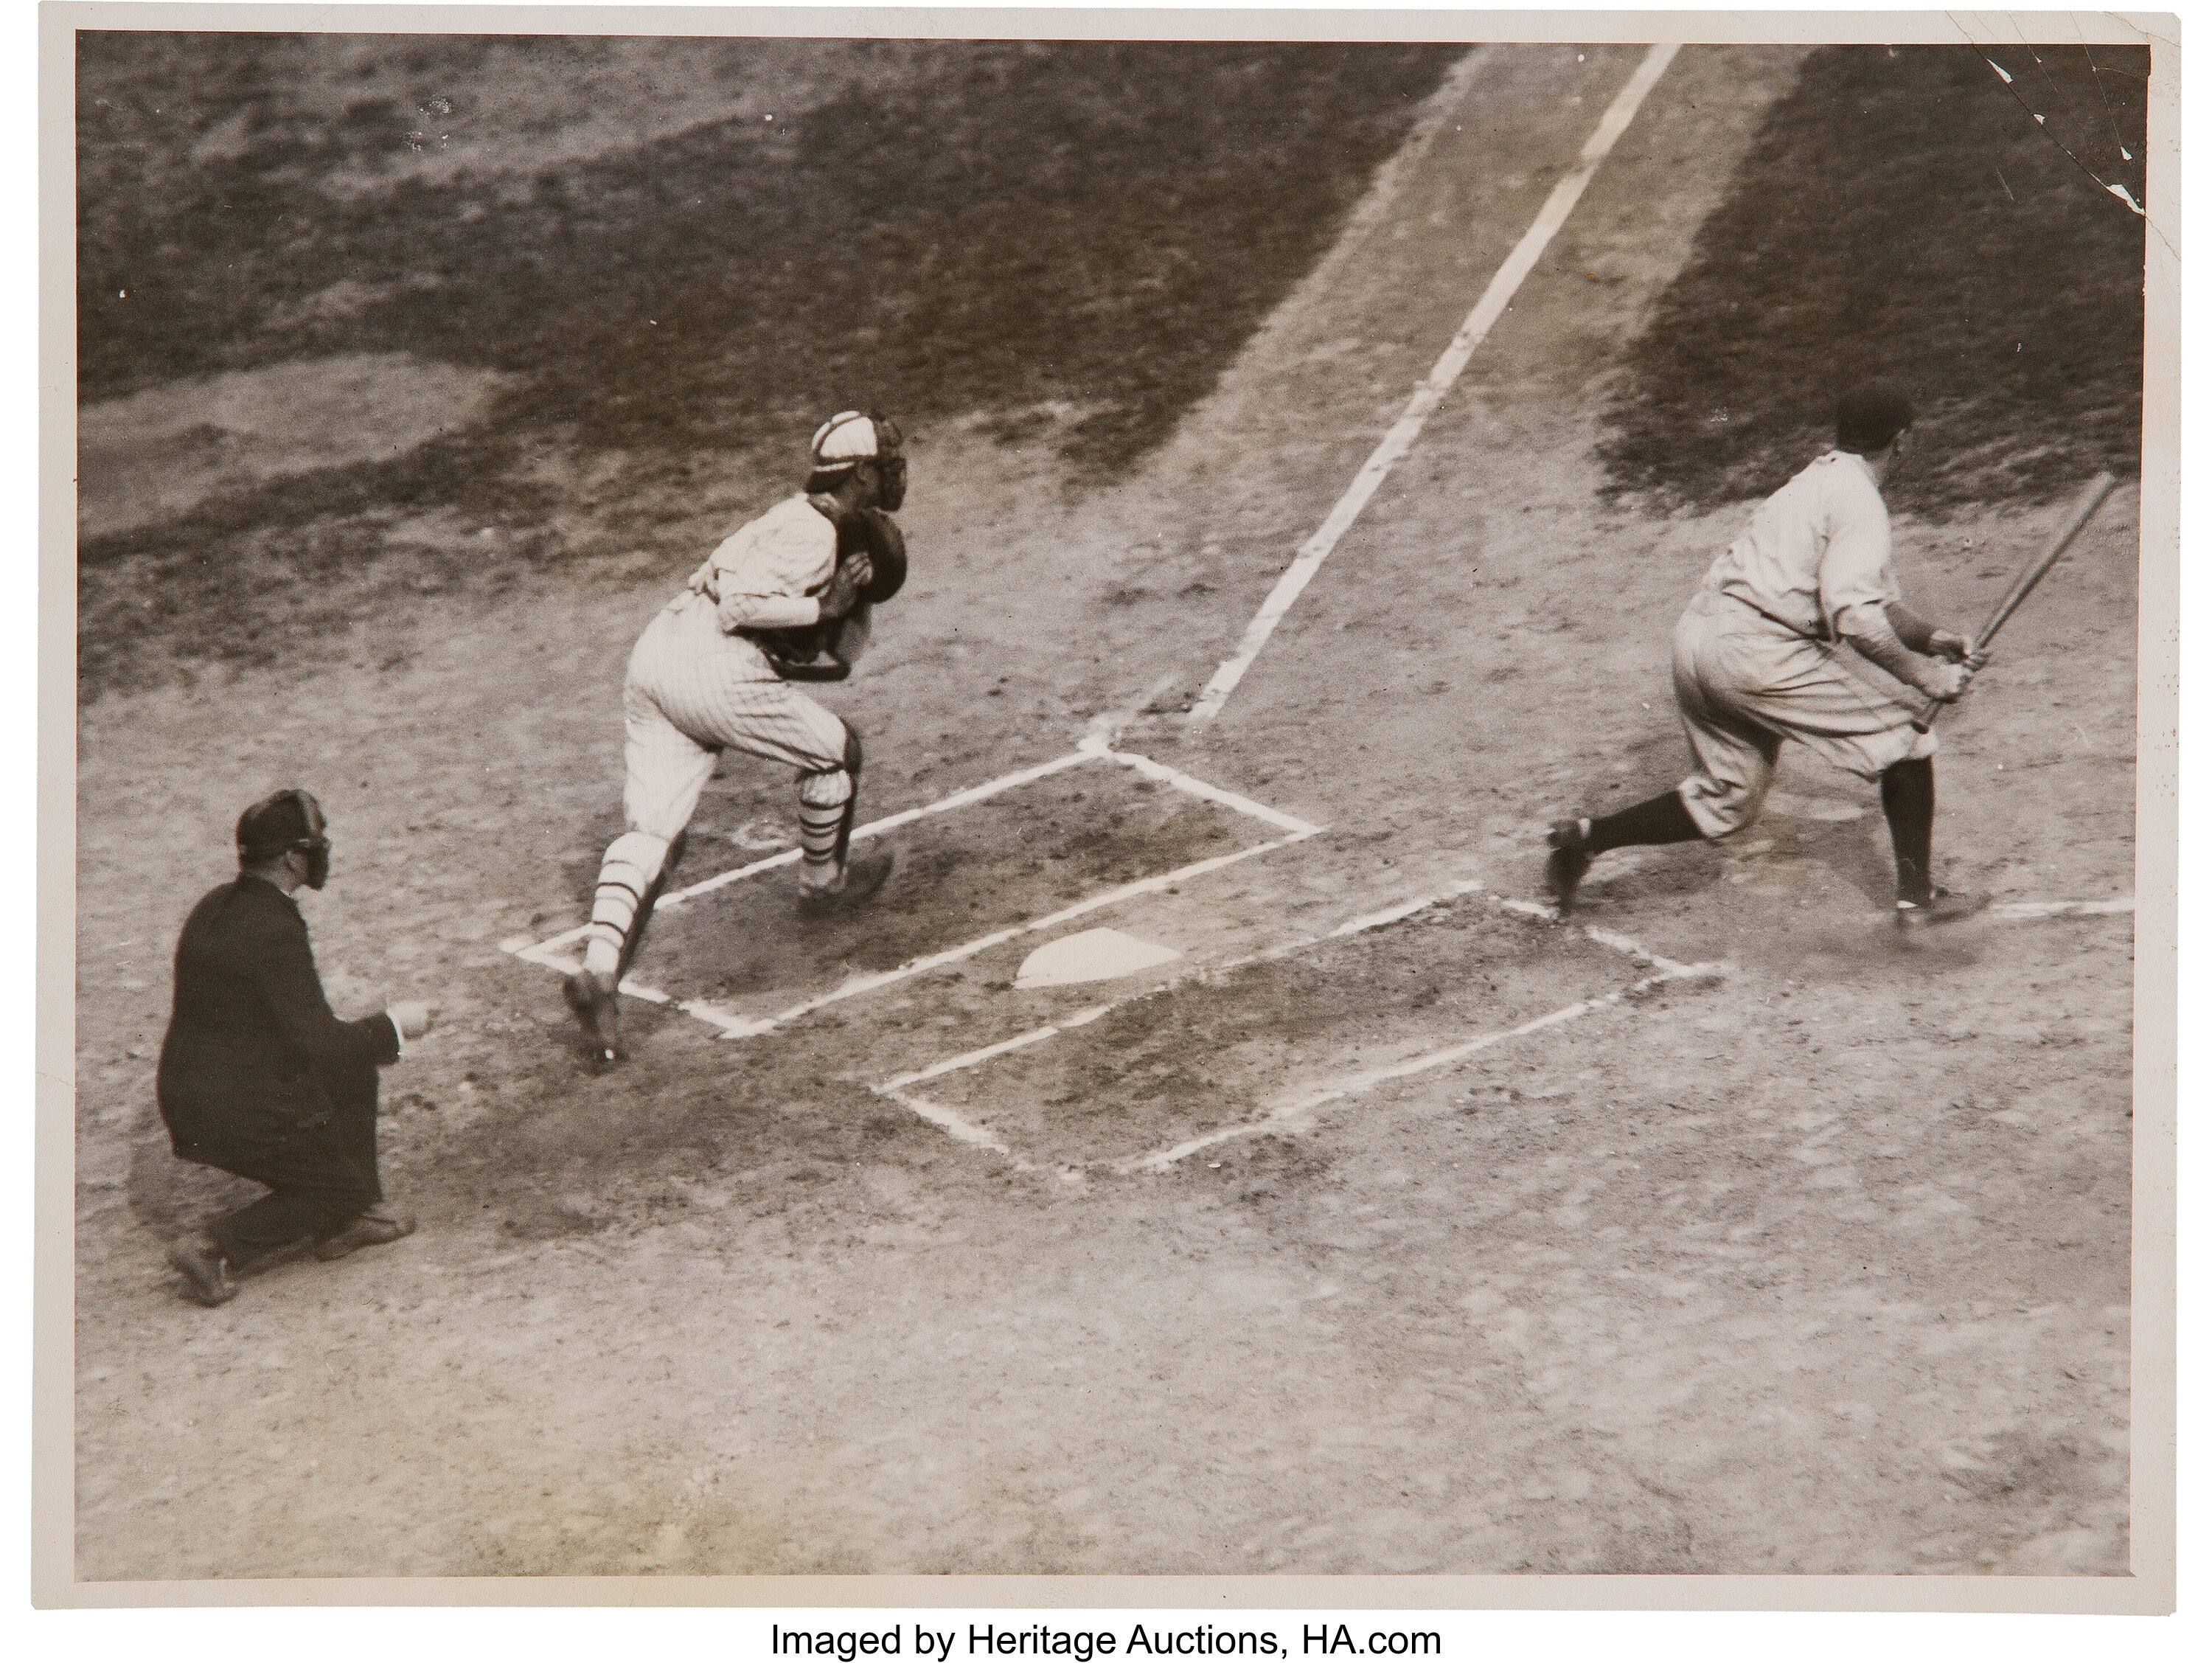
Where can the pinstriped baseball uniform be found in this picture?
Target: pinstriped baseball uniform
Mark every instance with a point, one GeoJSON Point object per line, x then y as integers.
{"type": "Point", "coordinates": [694, 690]}
{"type": "Point", "coordinates": [701, 681]}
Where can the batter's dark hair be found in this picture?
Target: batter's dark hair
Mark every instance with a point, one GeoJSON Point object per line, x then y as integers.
{"type": "Point", "coordinates": [1869, 415]}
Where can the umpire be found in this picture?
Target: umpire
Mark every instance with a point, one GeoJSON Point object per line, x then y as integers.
{"type": "Point", "coordinates": [259, 1079]}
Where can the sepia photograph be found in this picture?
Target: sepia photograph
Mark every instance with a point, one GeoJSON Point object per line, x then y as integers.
{"type": "Point", "coordinates": [1119, 795]}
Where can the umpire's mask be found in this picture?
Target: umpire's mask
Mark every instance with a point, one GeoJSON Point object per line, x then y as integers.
{"type": "Point", "coordinates": [280, 823]}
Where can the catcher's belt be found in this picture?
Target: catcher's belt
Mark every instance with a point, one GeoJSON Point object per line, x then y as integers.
{"type": "Point", "coordinates": [806, 653]}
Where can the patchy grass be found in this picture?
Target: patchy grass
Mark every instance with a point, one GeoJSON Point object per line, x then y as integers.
{"type": "Point", "coordinates": [1902, 212]}
{"type": "Point", "coordinates": [960, 231]}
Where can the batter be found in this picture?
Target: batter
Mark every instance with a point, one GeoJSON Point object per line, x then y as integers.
{"type": "Point", "coordinates": [1800, 632]}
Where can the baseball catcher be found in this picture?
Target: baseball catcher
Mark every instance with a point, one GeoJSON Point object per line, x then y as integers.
{"type": "Point", "coordinates": [787, 598]}
{"type": "Point", "coordinates": [1800, 632]}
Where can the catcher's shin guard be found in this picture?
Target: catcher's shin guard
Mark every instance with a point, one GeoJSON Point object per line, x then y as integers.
{"type": "Point", "coordinates": [634, 938]}
{"type": "Point", "coordinates": [827, 802]}
{"type": "Point", "coordinates": [853, 802]}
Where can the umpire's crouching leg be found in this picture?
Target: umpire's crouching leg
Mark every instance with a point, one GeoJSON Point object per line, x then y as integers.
{"type": "Point", "coordinates": [321, 1177]}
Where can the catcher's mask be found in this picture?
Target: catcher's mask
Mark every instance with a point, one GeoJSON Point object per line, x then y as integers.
{"type": "Point", "coordinates": [892, 467]}
{"type": "Point", "coordinates": [850, 438]}
{"type": "Point", "coordinates": [281, 822]}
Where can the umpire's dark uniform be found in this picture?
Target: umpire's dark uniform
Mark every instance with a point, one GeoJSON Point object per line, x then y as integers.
{"type": "Point", "coordinates": [259, 1077]}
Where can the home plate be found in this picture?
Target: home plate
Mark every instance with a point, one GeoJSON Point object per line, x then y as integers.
{"type": "Point", "coordinates": [1095, 955]}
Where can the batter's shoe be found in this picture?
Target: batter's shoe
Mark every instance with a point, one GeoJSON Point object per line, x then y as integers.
{"type": "Point", "coordinates": [206, 1273]}
{"type": "Point", "coordinates": [1941, 907]}
{"type": "Point", "coordinates": [1570, 859]}
{"type": "Point", "coordinates": [373, 1228]}
{"type": "Point", "coordinates": [864, 875]}
{"type": "Point", "coordinates": [590, 994]}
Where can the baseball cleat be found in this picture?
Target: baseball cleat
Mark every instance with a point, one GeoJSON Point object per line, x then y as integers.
{"type": "Point", "coordinates": [206, 1274]}
{"type": "Point", "coordinates": [1941, 907]}
{"type": "Point", "coordinates": [591, 995]}
{"type": "Point", "coordinates": [1570, 859]}
{"type": "Point", "coordinates": [864, 875]}
{"type": "Point", "coordinates": [371, 1229]}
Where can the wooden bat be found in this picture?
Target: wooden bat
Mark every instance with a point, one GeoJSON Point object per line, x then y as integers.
{"type": "Point", "coordinates": [2092, 498]}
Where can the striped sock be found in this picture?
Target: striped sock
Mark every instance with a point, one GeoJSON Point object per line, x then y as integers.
{"type": "Point", "coordinates": [632, 862]}
{"type": "Point", "coordinates": [822, 806]}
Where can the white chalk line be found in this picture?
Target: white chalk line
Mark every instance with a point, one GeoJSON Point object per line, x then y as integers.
{"type": "Point", "coordinates": [1431, 392]}
{"type": "Point", "coordinates": [1200, 974]}
{"type": "Point", "coordinates": [947, 1122]}
{"type": "Point", "coordinates": [737, 1026]}
{"type": "Point", "coordinates": [874, 828]}
{"type": "Point", "coordinates": [1668, 969]}
{"type": "Point", "coordinates": [1316, 1097]}
{"type": "Point", "coordinates": [2061, 909]}
{"type": "Point", "coordinates": [1094, 747]}
{"type": "Point", "coordinates": [1099, 745]}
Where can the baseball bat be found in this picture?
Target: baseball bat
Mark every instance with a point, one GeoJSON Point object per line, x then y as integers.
{"type": "Point", "coordinates": [2085, 508]}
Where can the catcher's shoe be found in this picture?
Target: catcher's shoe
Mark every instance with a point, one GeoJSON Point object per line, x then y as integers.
{"type": "Point", "coordinates": [864, 875]}
{"type": "Point", "coordinates": [207, 1275]}
{"type": "Point", "coordinates": [1942, 906]}
{"type": "Point", "coordinates": [591, 995]}
{"type": "Point", "coordinates": [1570, 859]}
{"type": "Point", "coordinates": [371, 1229]}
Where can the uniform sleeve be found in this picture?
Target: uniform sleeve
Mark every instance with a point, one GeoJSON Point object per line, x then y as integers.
{"type": "Point", "coordinates": [763, 574]}
{"type": "Point", "coordinates": [1855, 565]}
{"type": "Point", "coordinates": [284, 973]}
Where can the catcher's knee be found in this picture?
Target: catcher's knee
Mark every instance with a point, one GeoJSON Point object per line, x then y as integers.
{"type": "Point", "coordinates": [832, 787]}
{"type": "Point", "coordinates": [851, 750]}
{"type": "Point", "coordinates": [643, 852]}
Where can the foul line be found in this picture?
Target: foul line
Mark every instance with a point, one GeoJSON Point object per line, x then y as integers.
{"type": "Point", "coordinates": [1431, 392]}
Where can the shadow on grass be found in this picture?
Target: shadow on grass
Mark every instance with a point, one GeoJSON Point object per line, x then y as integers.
{"type": "Point", "coordinates": [1093, 225]}
{"type": "Point", "coordinates": [1903, 213]}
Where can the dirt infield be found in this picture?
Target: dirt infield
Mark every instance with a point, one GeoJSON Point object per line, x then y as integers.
{"type": "Point", "coordinates": [1815, 1262]}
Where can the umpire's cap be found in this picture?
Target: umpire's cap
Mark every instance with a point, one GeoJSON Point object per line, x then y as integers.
{"type": "Point", "coordinates": [1869, 415]}
{"type": "Point", "coordinates": [282, 821]}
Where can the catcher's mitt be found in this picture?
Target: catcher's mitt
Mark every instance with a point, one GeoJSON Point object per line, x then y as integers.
{"type": "Point", "coordinates": [810, 652]}
{"type": "Point", "coordinates": [876, 534]}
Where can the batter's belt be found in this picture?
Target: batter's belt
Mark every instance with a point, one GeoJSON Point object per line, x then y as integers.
{"type": "Point", "coordinates": [1838, 652]}
{"type": "Point", "coordinates": [1825, 640]}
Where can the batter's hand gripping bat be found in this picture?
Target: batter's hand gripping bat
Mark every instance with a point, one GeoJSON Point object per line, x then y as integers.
{"type": "Point", "coordinates": [2092, 498]}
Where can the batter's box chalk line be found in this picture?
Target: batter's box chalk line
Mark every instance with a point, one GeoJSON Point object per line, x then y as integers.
{"type": "Point", "coordinates": [1299, 1107]}
{"type": "Point", "coordinates": [1300, 1103]}
{"type": "Point", "coordinates": [1094, 748]}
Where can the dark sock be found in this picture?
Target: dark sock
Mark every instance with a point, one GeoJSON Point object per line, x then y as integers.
{"type": "Point", "coordinates": [1908, 798]}
{"type": "Point", "coordinates": [1660, 819]}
